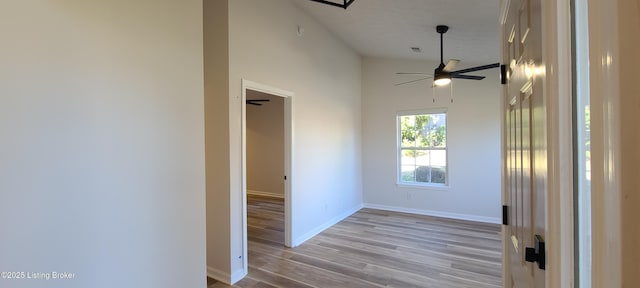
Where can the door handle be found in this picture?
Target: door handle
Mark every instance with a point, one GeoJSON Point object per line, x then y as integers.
{"type": "Point", "coordinates": [536, 253]}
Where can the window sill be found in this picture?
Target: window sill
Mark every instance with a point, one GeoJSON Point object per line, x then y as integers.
{"type": "Point", "coordinates": [424, 186]}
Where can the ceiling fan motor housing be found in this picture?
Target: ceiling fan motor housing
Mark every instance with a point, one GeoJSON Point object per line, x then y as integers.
{"type": "Point", "coordinates": [440, 69]}
{"type": "Point", "coordinates": [442, 29]}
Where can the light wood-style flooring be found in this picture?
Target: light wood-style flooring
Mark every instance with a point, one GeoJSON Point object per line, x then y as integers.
{"type": "Point", "coordinates": [371, 248]}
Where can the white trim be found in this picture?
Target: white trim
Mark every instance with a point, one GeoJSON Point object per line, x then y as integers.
{"type": "Point", "coordinates": [225, 277]}
{"type": "Point", "coordinates": [238, 275]}
{"type": "Point", "coordinates": [428, 187]}
{"type": "Point", "coordinates": [266, 88]}
{"type": "Point", "coordinates": [265, 193]}
{"type": "Point", "coordinates": [326, 225]}
{"type": "Point", "coordinates": [607, 94]}
{"type": "Point", "coordinates": [556, 54]}
{"type": "Point", "coordinates": [289, 208]}
{"type": "Point", "coordinates": [288, 165]}
{"type": "Point", "coordinates": [218, 275]}
{"type": "Point", "coordinates": [243, 163]}
{"type": "Point", "coordinates": [435, 110]}
{"type": "Point", "coordinates": [468, 217]}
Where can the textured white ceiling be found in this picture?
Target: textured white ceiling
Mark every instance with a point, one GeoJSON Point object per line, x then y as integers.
{"type": "Point", "coordinates": [389, 28]}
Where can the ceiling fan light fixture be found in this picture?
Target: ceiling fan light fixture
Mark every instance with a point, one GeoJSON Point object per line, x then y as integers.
{"type": "Point", "coordinates": [442, 79]}
{"type": "Point", "coordinates": [443, 73]}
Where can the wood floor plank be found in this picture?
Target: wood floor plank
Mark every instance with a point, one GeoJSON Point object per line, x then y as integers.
{"type": "Point", "coordinates": [274, 279]}
{"type": "Point", "coordinates": [371, 248]}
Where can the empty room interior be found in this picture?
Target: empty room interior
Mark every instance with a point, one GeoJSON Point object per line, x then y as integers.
{"type": "Point", "coordinates": [319, 143]}
{"type": "Point", "coordinates": [389, 185]}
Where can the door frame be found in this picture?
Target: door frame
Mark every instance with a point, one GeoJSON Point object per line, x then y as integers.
{"type": "Point", "coordinates": [557, 51]}
{"type": "Point", "coordinates": [612, 58]}
{"type": "Point", "coordinates": [288, 161]}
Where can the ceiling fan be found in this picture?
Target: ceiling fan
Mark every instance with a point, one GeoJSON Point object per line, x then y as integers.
{"type": "Point", "coordinates": [256, 102]}
{"type": "Point", "coordinates": [444, 73]}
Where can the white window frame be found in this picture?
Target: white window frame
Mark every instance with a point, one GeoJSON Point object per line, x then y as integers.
{"type": "Point", "coordinates": [430, 185]}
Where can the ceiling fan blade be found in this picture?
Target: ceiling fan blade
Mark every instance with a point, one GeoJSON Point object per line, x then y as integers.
{"type": "Point", "coordinates": [451, 65]}
{"type": "Point", "coordinates": [483, 67]}
{"type": "Point", "coordinates": [256, 101]}
{"type": "Point", "coordinates": [413, 73]}
{"type": "Point", "coordinates": [469, 77]}
{"type": "Point", "coordinates": [413, 81]}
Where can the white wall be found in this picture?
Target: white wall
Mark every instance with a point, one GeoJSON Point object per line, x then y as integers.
{"type": "Point", "coordinates": [216, 89]}
{"type": "Point", "coordinates": [324, 74]}
{"type": "Point", "coordinates": [473, 139]}
{"type": "Point", "coordinates": [265, 145]}
{"type": "Point", "coordinates": [102, 142]}
{"type": "Point", "coordinates": [629, 23]}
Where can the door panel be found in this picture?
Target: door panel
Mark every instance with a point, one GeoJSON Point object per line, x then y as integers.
{"type": "Point", "coordinates": [525, 140]}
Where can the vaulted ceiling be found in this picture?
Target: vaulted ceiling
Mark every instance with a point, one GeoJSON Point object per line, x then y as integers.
{"type": "Point", "coordinates": [389, 28]}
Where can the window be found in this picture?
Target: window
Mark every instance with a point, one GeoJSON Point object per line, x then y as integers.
{"type": "Point", "coordinates": [422, 148]}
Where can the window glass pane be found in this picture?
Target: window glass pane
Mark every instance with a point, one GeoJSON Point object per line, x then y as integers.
{"type": "Point", "coordinates": [439, 158]}
{"type": "Point", "coordinates": [423, 174]}
{"type": "Point", "coordinates": [407, 173]}
{"type": "Point", "coordinates": [439, 131]}
{"type": "Point", "coordinates": [422, 129]}
{"type": "Point", "coordinates": [408, 157]}
{"type": "Point", "coordinates": [423, 158]}
{"type": "Point", "coordinates": [407, 127]}
{"type": "Point", "coordinates": [439, 174]}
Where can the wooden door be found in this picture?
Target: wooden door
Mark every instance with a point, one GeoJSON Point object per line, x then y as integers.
{"type": "Point", "coordinates": [525, 144]}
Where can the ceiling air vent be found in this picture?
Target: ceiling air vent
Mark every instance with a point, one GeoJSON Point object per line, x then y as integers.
{"type": "Point", "coordinates": [416, 49]}
{"type": "Point", "coordinates": [345, 3]}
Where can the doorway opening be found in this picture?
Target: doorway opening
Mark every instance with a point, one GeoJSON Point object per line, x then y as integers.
{"type": "Point", "coordinates": [266, 164]}
{"type": "Point", "coordinates": [581, 145]}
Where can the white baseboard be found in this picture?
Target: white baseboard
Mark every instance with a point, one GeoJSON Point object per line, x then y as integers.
{"type": "Point", "coordinates": [238, 275]}
{"type": "Point", "coordinates": [475, 218]}
{"type": "Point", "coordinates": [333, 221]}
{"type": "Point", "coordinates": [219, 275]}
{"type": "Point", "coordinates": [225, 277]}
{"type": "Point", "coordinates": [264, 193]}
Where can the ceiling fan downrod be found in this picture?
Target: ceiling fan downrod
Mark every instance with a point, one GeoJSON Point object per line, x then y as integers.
{"type": "Point", "coordinates": [442, 29]}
